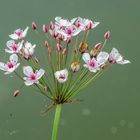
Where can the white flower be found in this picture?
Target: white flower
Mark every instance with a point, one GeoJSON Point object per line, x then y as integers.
{"type": "Point", "coordinates": [85, 24]}
{"type": "Point", "coordinates": [64, 22]}
{"type": "Point", "coordinates": [94, 64]}
{"type": "Point", "coordinates": [32, 77]}
{"type": "Point", "coordinates": [28, 50]}
{"type": "Point", "coordinates": [11, 65]}
{"type": "Point", "coordinates": [61, 75]}
{"type": "Point", "coordinates": [19, 34]}
{"type": "Point", "coordinates": [13, 47]}
{"type": "Point", "coordinates": [68, 32]}
{"type": "Point", "coordinates": [116, 57]}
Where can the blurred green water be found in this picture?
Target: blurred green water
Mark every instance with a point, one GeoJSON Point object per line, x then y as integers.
{"type": "Point", "coordinates": [110, 110]}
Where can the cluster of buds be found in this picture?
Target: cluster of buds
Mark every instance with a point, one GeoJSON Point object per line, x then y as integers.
{"type": "Point", "coordinates": [65, 75]}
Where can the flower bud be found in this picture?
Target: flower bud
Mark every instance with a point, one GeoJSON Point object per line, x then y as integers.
{"type": "Point", "coordinates": [49, 51]}
{"type": "Point", "coordinates": [107, 35]}
{"type": "Point", "coordinates": [44, 28]}
{"type": "Point", "coordinates": [90, 24]}
{"type": "Point", "coordinates": [16, 93]}
{"type": "Point", "coordinates": [96, 49]}
{"type": "Point", "coordinates": [58, 47]}
{"type": "Point", "coordinates": [75, 66]}
{"type": "Point", "coordinates": [64, 51]}
{"type": "Point", "coordinates": [52, 25]}
{"type": "Point", "coordinates": [34, 26]}
{"type": "Point", "coordinates": [46, 44]}
{"type": "Point", "coordinates": [83, 47]}
{"type": "Point", "coordinates": [68, 40]}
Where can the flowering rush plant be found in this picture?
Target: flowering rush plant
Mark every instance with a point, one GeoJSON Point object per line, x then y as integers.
{"type": "Point", "coordinates": [70, 63]}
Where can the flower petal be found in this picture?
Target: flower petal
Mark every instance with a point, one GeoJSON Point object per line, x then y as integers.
{"type": "Point", "coordinates": [86, 57]}
{"type": "Point", "coordinates": [14, 36]}
{"type": "Point", "coordinates": [13, 59]}
{"type": "Point", "coordinates": [3, 66]}
{"type": "Point", "coordinates": [39, 74]}
{"type": "Point", "coordinates": [25, 32]}
{"type": "Point", "coordinates": [27, 70]}
{"type": "Point", "coordinates": [123, 62]}
{"type": "Point", "coordinates": [29, 83]}
{"type": "Point", "coordinates": [102, 57]}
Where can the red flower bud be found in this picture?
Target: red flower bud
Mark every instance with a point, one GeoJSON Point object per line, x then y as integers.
{"type": "Point", "coordinates": [59, 48]}
{"type": "Point", "coordinates": [34, 26]}
{"type": "Point", "coordinates": [107, 35]}
{"type": "Point", "coordinates": [52, 25]}
{"type": "Point", "coordinates": [68, 40]}
{"type": "Point", "coordinates": [98, 46]}
{"type": "Point", "coordinates": [16, 93]}
{"type": "Point", "coordinates": [44, 28]}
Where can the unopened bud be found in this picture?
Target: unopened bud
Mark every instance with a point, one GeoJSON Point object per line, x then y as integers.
{"type": "Point", "coordinates": [49, 51]}
{"type": "Point", "coordinates": [34, 26]}
{"type": "Point", "coordinates": [64, 51]}
{"type": "Point", "coordinates": [75, 66]}
{"type": "Point", "coordinates": [46, 44]}
{"type": "Point", "coordinates": [58, 46]}
{"type": "Point", "coordinates": [44, 28]}
{"type": "Point", "coordinates": [16, 93]}
{"type": "Point", "coordinates": [77, 23]}
{"type": "Point", "coordinates": [52, 25]}
{"type": "Point", "coordinates": [107, 35]}
{"type": "Point", "coordinates": [83, 47]}
{"type": "Point", "coordinates": [98, 46]}
{"type": "Point", "coordinates": [68, 40]}
{"type": "Point", "coordinates": [96, 49]}
{"type": "Point", "coordinates": [90, 24]}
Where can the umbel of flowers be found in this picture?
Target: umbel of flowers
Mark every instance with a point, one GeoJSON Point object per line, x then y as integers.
{"type": "Point", "coordinates": [71, 63]}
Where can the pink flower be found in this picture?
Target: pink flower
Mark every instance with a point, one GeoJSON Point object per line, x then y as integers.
{"type": "Point", "coordinates": [32, 77]}
{"type": "Point", "coordinates": [85, 24]}
{"type": "Point", "coordinates": [13, 47]}
{"type": "Point", "coordinates": [11, 65]}
{"type": "Point", "coordinates": [64, 22]}
{"type": "Point", "coordinates": [19, 34]}
{"type": "Point", "coordinates": [94, 64]}
{"type": "Point", "coordinates": [116, 57]}
{"type": "Point", "coordinates": [68, 32]}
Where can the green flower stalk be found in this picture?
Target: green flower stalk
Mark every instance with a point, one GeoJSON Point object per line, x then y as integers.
{"type": "Point", "coordinates": [71, 64]}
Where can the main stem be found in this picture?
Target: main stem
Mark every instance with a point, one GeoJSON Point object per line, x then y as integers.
{"type": "Point", "coordinates": [56, 121]}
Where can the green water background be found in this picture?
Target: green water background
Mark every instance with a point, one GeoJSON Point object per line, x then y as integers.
{"type": "Point", "coordinates": [111, 106]}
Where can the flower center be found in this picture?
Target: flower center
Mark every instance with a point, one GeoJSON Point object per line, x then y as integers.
{"type": "Point", "coordinates": [62, 77]}
{"type": "Point", "coordinates": [69, 31]}
{"type": "Point", "coordinates": [10, 65]}
{"type": "Point", "coordinates": [19, 33]}
{"type": "Point", "coordinates": [14, 47]}
{"type": "Point", "coordinates": [92, 63]}
{"type": "Point", "coordinates": [33, 76]}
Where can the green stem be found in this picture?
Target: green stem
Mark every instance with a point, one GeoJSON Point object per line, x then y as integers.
{"type": "Point", "coordinates": [56, 121]}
